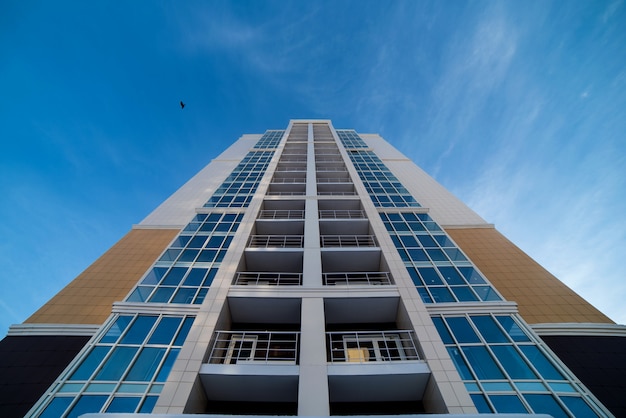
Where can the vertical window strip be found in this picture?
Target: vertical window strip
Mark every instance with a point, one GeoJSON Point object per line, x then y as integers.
{"type": "Point", "coordinates": [124, 370]}
{"type": "Point", "coordinates": [506, 371]}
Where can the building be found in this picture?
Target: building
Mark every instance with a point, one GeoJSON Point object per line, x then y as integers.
{"type": "Point", "coordinates": [314, 271]}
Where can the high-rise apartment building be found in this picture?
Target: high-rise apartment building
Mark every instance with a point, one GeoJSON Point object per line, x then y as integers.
{"type": "Point", "coordinates": [314, 271]}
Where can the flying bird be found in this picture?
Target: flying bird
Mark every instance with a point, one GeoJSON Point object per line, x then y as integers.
{"type": "Point", "coordinates": [182, 105]}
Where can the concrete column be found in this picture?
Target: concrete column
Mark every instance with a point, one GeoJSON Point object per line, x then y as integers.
{"type": "Point", "coordinates": [313, 386]}
{"type": "Point", "coordinates": [312, 262]}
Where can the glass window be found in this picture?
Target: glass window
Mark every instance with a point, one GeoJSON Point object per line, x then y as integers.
{"type": "Point", "coordinates": [195, 277]}
{"type": "Point", "coordinates": [441, 294]}
{"type": "Point", "coordinates": [86, 404]}
{"type": "Point", "coordinates": [56, 408]}
{"type": "Point", "coordinates": [464, 294]}
{"type": "Point", "coordinates": [148, 404]}
{"type": "Point", "coordinates": [116, 364]}
{"type": "Point", "coordinates": [146, 364]}
{"type": "Point", "coordinates": [424, 295]}
{"type": "Point", "coordinates": [486, 293]}
{"type": "Point", "coordinates": [210, 276]}
{"type": "Point", "coordinates": [512, 362]}
{"type": "Point", "coordinates": [89, 364]}
{"type": "Point", "coordinates": [578, 406]}
{"type": "Point", "coordinates": [185, 295]}
{"type": "Point", "coordinates": [139, 329]}
{"type": "Point", "coordinates": [162, 295]}
{"type": "Point", "coordinates": [451, 276]}
{"type": "Point", "coordinates": [197, 242]}
{"type": "Point", "coordinates": [215, 241]}
{"type": "Point", "coordinates": [462, 330]}
{"type": "Point", "coordinates": [454, 254]}
{"type": "Point", "coordinates": [436, 255]}
{"type": "Point", "coordinates": [409, 241]}
{"type": "Point", "coordinates": [140, 294]}
{"type": "Point", "coordinates": [427, 241]}
{"type": "Point", "coordinates": [471, 275]}
{"type": "Point", "coordinates": [167, 365]}
{"type": "Point", "coordinates": [165, 331]}
{"type": "Point", "coordinates": [116, 329]}
{"type": "Point", "coordinates": [206, 256]}
{"type": "Point", "coordinates": [414, 276]}
{"type": "Point", "coordinates": [460, 364]}
{"type": "Point", "coordinates": [184, 330]}
{"type": "Point", "coordinates": [417, 255]}
{"type": "Point", "coordinates": [481, 404]}
{"type": "Point", "coordinates": [541, 363]}
{"type": "Point", "coordinates": [174, 276]}
{"type": "Point", "coordinates": [507, 404]}
{"type": "Point", "coordinates": [443, 331]}
{"type": "Point", "coordinates": [482, 363]}
{"type": "Point", "coordinates": [545, 404]}
{"type": "Point", "coordinates": [489, 329]}
{"type": "Point", "coordinates": [123, 404]}
{"type": "Point", "coordinates": [514, 331]}
{"type": "Point", "coordinates": [155, 276]}
{"type": "Point", "coordinates": [430, 276]}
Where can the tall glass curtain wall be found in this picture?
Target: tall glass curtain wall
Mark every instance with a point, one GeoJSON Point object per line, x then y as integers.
{"type": "Point", "coordinates": [123, 369]}
{"type": "Point", "coordinates": [504, 367]}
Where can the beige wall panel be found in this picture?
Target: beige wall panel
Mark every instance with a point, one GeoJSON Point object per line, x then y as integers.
{"type": "Point", "coordinates": [541, 297]}
{"type": "Point", "coordinates": [89, 297]}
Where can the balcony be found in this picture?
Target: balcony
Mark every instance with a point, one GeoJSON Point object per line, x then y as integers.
{"type": "Point", "coordinates": [342, 214]}
{"type": "Point", "coordinates": [250, 278]}
{"type": "Point", "coordinates": [281, 214]}
{"type": "Point", "coordinates": [359, 278]}
{"type": "Point", "coordinates": [260, 347]}
{"type": "Point", "coordinates": [366, 346]}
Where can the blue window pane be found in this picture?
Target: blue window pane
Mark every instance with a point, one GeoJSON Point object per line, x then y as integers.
{"type": "Point", "coordinates": [416, 227]}
{"type": "Point", "coordinates": [514, 331]}
{"type": "Point", "coordinates": [148, 404]}
{"type": "Point", "coordinates": [414, 276]}
{"type": "Point", "coordinates": [139, 329]}
{"type": "Point", "coordinates": [541, 363]}
{"type": "Point", "coordinates": [220, 256]}
{"type": "Point", "coordinates": [184, 330]}
{"type": "Point", "coordinates": [512, 362]}
{"type": "Point", "coordinates": [486, 293]}
{"type": "Point", "coordinates": [545, 404]}
{"type": "Point", "coordinates": [215, 242]}
{"type": "Point", "coordinates": [430, 276]}
{"type": "Point", "coordinates": [441, 294]}
{"type": "Point", "coordinates": [174, 276]}
{"type": "Point", "coordinates": [427, 241]}
{"type": "Point", "coordinates": [209, 277]}
{"type": "Point", "coordinates": [185, 295]}
{"type": "Point", "coordinates": [195, 277]}
{"type": "Point", "coordinates": [206, 256]}
{"type": "Point", "coordinates": [460, 364]}
{"type": "Point", "coordinates": [197, 241]}
{"type": "Point", "coordinates": [489, 329]}
{"type": "Point", "coordinates": [140, 294]}
{"type": "Point", "coordinates": [464, 294]}
{"type": "Point", "coordinates": [507, 404]}
{"type": "Point", "coordinates": [214, 217]}
{"type": "Point", "coordinates": [208, 226]}
{"type": "Point", "coordinates": [116, 329]}
{"type": "Point", "coordinates": [123, 404]}
{"type": "Point", "coordinates": [170, 255]}
{"type": "Point", "coordinates": [424, 295]}
{"type": "Point", "coordinates": [482, 363]}
{"type": "Point", "coordinates": [188, 256]}
{"type": "Point", "coordinates": [181, 241]}
{"type": "Point", "coordinates": [87, 403]}
{"type": "Point", "coordinates": [90, 363]}
{"type": "Point", "coordinates": [443, 241]}
{"type": "Point", "coordinates": [481, 404]}
{"type": "Point", "coordinates": [165, 331]}
{"type": "Point", "coordinates": [155, 276]}
{"type": "Point", "coordinates": [451, 276]}
{"type": "Point", "coordinates": [578, 406]}
{"type": "Point", "coordinates": [167, 365]}
{"type": "Point", "coordinates": [462, 330]}
{"type": "Point", "coordinates": [56, 408]}
{"type": "Point", "coordinates": [201, 295]}
{"type": "Point", "coordinates": [162, 295]}
{"type": "Point", "coordinates": [417, 255]}
{"type": "Point", "coordinates": [146, 364]}
{"type": "Point", "coordinates": [471, 275]}
{"type": "Point", "coordinates": [454, 254]}
{"type": "Point", "coordinates": [409, 241]}
{"type": "Point", "coordinates": [443, 331]}
{"type": "Point", "coordinates": [437, 255]}
{"type": "Point", "coordinates": [116, 364]}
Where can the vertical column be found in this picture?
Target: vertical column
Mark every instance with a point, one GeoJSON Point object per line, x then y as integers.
{"type": "Point", "coordinates": [312, 262]}
{"type": "Point", "coordinates": [313, 385]}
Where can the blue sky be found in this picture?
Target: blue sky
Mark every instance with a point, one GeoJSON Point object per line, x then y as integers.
{"type": "Point", "coordinates": [519, 108]}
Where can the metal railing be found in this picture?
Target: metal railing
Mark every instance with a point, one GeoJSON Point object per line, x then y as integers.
{"type": "Point", "coordinates": [371, 346]}
{"type": "Point", "coordinates": [237, 347]}
{"type": "Point", "coordinates": [295, 169]}
{"type": "Point", "coordinates": [347, 241]}
{"type": "Point", "coordinates": [334, 180]}
{"type": "Point", "coordinates": [250, 278]}
{"type": "Point", "coordinates": [342, 214]}
{"type": "Point", "coordinates": [280, 241]}
{"type": "Point", "coordinates": [352, 193]}
{"type": "Point", "coordinates": [358, 278]}
{"type": "Point", "coordinates": [277, 193]}
{"type": "Point", "coordinates": [281, 214]}
{"type": "Point", "coordinates": [337, 169]}
{"type": "Point", "coordinates": [289, 180]}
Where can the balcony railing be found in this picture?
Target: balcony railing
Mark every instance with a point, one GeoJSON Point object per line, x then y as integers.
{"type": "Point", "coordinates": [281, 214]}
{"type": "Point", "coordinates": [247, 347]}
{"type": "Point", "coordinates": [250, 278]}
{"type": "Point", "coordinates": [368, 346]}
{"type": "Point", "coordinates": [337, 168]}
{"type": "Point", "coordinates": [348, 241]}
{"type": "Point", "coordinates": [341, 214]}
{"type": "Point", "coordinates": [293, 169]}
{"type": "Point", "coordinates": [281, 193]}
{"type": "Point", "coordinates": [358, 278]}
{"type": "Point", "coordinates": [350, 193]}
{"type": "Point", "coordinates": [280, 241]}
{"type": "Point", "coordinates": [289, 180]}
{"type": "Point", "coordinates": [334, 180]}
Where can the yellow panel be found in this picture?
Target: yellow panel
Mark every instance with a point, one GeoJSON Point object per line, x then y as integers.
{"type": "Point", "coordinates": [88, 299]}
{"type": "Point", "coordinates": [541, 297]}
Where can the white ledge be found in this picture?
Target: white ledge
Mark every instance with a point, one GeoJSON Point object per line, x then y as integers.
{"type": "Point", "coordinates": [580, 329]}
{"type": "Point", "coordinates": [83, 330]}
